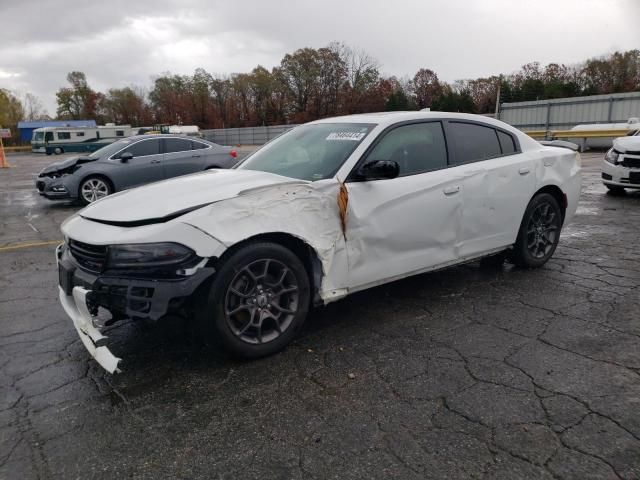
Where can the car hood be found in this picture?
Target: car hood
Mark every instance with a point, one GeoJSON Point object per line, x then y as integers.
{"type": "Point", "coordinates": [162, 201]}
{"type": "Point", "coordinates": [627, 144]}
{"type": "Point", "coordinates": [66, 163]}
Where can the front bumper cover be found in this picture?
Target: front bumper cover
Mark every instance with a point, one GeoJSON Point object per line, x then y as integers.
{"type": "Point", "coordinates": [122, 296]}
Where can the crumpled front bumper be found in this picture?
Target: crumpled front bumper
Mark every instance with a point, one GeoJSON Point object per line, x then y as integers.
{"type": "Point", "coordinates": [76, 307]}
{"type": "Point", "coordinates": [120, 296]}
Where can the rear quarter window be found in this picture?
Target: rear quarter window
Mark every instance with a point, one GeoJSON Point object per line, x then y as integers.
{"type": "Point", "coordinates": [506, 143]}
{"type": "Point", "coordinates": [471, 142]}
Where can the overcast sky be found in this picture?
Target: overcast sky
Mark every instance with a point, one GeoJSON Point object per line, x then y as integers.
{"type": "Point", "coordinates": [119, 43]}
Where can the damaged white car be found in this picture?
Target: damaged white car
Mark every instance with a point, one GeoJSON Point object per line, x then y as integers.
{"type": "Point", "coordinates": [329, 208]}
{"type": "Point", "coordinates": [621, 166]}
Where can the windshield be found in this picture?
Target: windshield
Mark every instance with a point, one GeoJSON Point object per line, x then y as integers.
{"type": "Point", "coordinates": [309, 152]}
{"type": "Point", "coordinates": [110, 149]}
{"type": "Point", "coordinates": [38, 136]}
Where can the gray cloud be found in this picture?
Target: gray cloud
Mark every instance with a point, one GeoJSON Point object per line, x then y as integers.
{"type": "Point", "coordinates": [119, 42]}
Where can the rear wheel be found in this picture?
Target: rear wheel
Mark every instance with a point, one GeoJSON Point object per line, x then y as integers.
{"type": "Point", "coordinates": [615, 189]}
{"type": "Point", "coordinates": [94, 188]}
{"type": "Point", "coordinates": [539, 232]}
{"type": "Point", "coordinates": [58, 151]}
{"type": "Point", "coordinates": [257, 302]}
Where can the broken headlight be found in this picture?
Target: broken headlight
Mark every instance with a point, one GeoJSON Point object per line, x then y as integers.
{"type": "Point", "coordinates": [149, 255]}
{"type": "Point", "coordinates": [612, 156]}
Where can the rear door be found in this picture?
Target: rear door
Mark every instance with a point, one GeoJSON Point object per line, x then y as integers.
{"type": "Point", "coordinates": [498, 181]}
{"type": "Point", "coordinates": [144, 167]}
{"type": "Point", "coordinates": [180, 158]}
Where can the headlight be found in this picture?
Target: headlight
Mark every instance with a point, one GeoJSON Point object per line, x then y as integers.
{"type": "Point", "coordinates": [611, 156]}
{"type": "Point", "coordinates": [148, 255]}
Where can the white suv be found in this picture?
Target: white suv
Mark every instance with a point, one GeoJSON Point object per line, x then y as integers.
{"type": "Point", "coordinates": [621, 165]}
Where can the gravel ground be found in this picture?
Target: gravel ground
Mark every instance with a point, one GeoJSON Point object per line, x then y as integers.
{"type": "Point", "coordinates": [469, 372]}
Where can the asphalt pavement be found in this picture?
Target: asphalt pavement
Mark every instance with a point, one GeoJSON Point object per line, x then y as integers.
{"type": "Point", "coordinates": [471, 372]}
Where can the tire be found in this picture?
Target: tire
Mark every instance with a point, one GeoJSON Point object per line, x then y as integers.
{"type": "Point", "coordinates": [539, 232]}
{"type": "Point", "coordinates": [257, 302]}
{"type": "Point", "coordinates": [615, 190]}
{"type": "Point", "coordinates": [58, 151]}
{"type": "Point", "coordinates": [94, 188]}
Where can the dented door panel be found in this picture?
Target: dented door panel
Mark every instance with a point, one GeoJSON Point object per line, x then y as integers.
{"type": "Point", "coordinates": [496, 193]}
{"type": "Point", "coordinates": [403, 225]}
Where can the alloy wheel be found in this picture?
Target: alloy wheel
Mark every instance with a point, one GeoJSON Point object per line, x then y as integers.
{"type": "Point", "coordinates": [94, 189]}
{"type": "Point", "coordinates": [261, 301]}
{"type": "Point", "coordinates": [542, 230]}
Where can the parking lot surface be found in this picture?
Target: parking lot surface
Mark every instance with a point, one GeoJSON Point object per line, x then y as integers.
{"type": "Point", "coordinates": [471, 372]}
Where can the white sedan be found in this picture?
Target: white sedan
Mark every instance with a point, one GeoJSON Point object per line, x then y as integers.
{"type": "Point", "coordinates": [330, 208]}
{"type": "Point", "coordinates": [621, 166]}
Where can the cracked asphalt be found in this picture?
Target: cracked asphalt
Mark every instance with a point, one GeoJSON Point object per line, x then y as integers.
{"type": "Point", "coordinates": [471, 372]}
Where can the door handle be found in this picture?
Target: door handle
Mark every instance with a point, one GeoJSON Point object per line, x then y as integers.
{"type": "Point", "coordinates": [154, 161]}
{"type": "Point", "coordinates": [524, 170]}
{"type": "Point", "coordinates": [451, 190]}
{"type": "Point", "coordinates": [195, 156]}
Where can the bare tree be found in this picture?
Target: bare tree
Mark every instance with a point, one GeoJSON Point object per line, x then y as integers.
{"type": "Point", "coordinates": [33, 108]}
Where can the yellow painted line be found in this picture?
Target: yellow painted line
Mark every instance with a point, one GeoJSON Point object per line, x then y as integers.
{"type": "Point", "coordinates": [19, 246]}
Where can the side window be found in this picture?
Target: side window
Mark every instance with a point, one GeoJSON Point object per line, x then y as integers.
{"type": "Point", "coordinates": [48, 136]}
{"type": "Point", "coordinates": [472, 142]}
{"type": "Point", "coordinates": [64, 135]}
{"type": "Point", "coordinates": [119, 133]}
{"type": "Point", "coordinates": [198, 145]}
{"type": "Point", "coordinates": [145, 147]}
{"type": "Point", "coordinates": [417, 148]}
{"type": "Point", "coordinates": [506, 143]}
{"type": "Point", "coordinates": [79, 134]}
{"type": "Point", "coordinates": [172, 145]}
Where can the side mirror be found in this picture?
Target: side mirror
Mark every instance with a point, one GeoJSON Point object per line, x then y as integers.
{"type": "Point", "coordinates": [125, 157]}
{"type": "Point", "coordinates": [379, 170]}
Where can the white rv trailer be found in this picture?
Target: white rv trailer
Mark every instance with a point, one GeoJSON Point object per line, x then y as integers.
{"type": "Point", "coordinates": [606, 142]}
{"type": "Point", "coordinates": [55, 139]}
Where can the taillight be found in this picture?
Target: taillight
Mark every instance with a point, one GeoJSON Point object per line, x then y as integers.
{"type": "Point", "coordinates": [233, 153]}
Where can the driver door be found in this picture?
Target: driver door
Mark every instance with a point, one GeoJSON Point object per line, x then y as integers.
{"type": "Point", "coordinates": [144, 167]}
{"type": "Point", "coordinates": [402, 225]}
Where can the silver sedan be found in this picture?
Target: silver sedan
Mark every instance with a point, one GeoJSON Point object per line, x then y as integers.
{"type": "Point", "coordinates": [128, 163]}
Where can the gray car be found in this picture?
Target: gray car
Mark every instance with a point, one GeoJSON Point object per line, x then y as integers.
{"type": "Point", "coordinates": [128, 163]}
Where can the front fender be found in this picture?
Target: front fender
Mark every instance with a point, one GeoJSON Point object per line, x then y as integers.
{"type": "Point", "coordinates": [300, 210]}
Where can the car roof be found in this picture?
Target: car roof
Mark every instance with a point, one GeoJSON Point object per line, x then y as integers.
{"type": "Point", "coordinates": [389, 118]}
{"type": "Point", "coordinates": [385, 119]}
{"type": "Point", "coordinates": [164, 135]}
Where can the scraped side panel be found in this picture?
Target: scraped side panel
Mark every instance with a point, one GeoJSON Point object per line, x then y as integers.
{"type": "Point", "coordinates": [300, 210]}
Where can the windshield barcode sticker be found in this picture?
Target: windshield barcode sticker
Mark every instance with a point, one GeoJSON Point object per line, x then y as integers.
{"type": "Point", "coordinates": [353, 136]}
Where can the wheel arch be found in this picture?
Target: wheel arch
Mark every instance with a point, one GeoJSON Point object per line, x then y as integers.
{"type": "Point", "coordinates": [298, 246]}
{"type": "Point", "coordinates": [557, 193]}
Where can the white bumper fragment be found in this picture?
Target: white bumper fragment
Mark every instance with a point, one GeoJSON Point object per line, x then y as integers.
{"type": "Point", "coordinates": [76, 307]}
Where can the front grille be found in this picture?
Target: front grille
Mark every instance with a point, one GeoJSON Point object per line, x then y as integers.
{"type": "Point", "coordinates": [631, 162]}
{"type": "Point", "coordinates": [40, 185]}
{"type": "Point", "coordinates": [89, 257]}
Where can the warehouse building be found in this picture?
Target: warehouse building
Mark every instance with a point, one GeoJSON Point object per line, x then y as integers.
{"type": "Point", "coordinates": [27, 128]}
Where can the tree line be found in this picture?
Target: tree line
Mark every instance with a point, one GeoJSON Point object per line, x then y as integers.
{"type": "Point", "coordinates": [314, 83]}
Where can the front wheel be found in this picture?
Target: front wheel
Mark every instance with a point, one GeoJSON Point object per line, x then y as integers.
{"type": "Point", "coordinates": [258, 300]}
{"type": "Point", "coordinates": [94, 188]}
{"type": "Point", "coordinates": [539, 232]}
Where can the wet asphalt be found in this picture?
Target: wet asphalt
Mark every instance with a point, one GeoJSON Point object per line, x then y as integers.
{"type": "Point", "coordinates": [472, 372]}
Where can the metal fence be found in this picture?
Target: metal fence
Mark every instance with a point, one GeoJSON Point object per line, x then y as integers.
{"type": "Point", "coordinates": [565, 113]}
{"type": "Point", "coordinates": [557, 114]}
{"type": "Point", "coordinates": [245, 136]}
